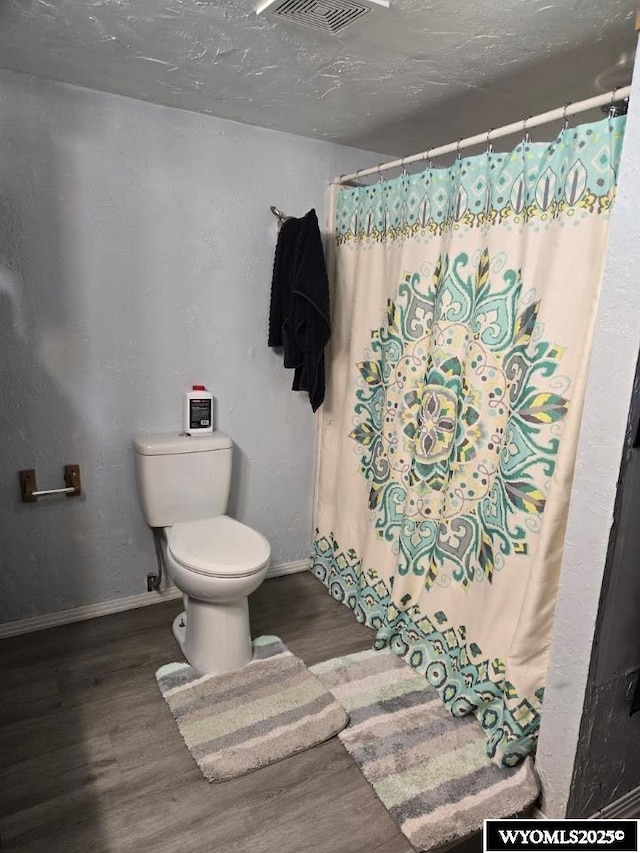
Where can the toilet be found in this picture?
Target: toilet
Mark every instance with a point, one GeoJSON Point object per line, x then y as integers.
{"type": "Point", "coordinates": [214, 560]}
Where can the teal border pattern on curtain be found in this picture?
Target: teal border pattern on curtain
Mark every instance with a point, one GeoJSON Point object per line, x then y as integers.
{"type": "Point", "coordinates": [534, 187]}
{"type": "Point", "coordinates": [465, 680]}
{"type": "Point", "coordinates": [569, 178]}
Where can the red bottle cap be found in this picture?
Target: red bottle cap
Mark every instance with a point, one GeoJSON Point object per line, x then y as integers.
{"type": "Point", "coordinates": [199, 388]}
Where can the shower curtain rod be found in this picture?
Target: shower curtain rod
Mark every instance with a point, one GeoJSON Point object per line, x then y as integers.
{"type": "Point", "coordinates": [525, 125]}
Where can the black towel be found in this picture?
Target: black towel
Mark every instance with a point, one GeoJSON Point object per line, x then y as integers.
{"type": "Point", "coordinates": [299, 319]}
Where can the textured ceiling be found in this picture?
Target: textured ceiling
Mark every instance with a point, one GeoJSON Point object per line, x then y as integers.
{"type": "Point", "coordinates": [423, 73]}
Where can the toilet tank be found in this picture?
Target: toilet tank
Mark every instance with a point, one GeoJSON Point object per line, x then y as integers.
{"type": "Point", "coordinates": [183, 478]}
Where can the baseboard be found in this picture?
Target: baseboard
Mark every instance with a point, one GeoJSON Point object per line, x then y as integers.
{"type": "Point", "coordinates": [117, 605]}
{"type": "Point", "coordinates": [87, 611]}
{"type": "Point", "coordinates": [627, 806]}
{"type": "Point", "coordinates": [287, 568]}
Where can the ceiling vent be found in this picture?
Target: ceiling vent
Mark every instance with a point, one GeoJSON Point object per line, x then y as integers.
{"type": "Point", "coordinates": [329, 16]}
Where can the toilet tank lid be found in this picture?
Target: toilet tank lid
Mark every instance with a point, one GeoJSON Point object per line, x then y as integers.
{"type": "Point", "coordinates": [169, 443]}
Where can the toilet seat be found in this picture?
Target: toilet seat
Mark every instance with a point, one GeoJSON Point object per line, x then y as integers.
{"type": "Point", "coordinates": [219, 547]}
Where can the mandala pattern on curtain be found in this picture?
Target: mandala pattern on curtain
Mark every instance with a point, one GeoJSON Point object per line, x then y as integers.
{"type": "Point", "coordinates": [463, 311]}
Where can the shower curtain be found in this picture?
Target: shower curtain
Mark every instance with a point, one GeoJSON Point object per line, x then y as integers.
{"type": "Point", "coordinates": [463, 307]}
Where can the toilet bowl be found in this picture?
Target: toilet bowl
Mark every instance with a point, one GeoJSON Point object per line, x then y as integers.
{"type": "Point", "coordinates": [214, 560]}
{"type": "Point", "coordinates": [216, 563]}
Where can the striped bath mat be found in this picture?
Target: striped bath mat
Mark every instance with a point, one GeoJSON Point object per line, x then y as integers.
{"type": "Point", "coordinates": [430, 770]}
{"type": "Point", "coordinates": [242, 720]}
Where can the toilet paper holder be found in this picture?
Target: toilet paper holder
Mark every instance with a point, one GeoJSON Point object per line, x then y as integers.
{"type": "Point", "coordinates": [29, 487]}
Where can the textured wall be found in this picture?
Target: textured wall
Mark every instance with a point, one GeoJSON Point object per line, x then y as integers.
{"type": "Point", "coordinates": [610, 383]}
{"type": "Point", "coordinates": [136, 246]}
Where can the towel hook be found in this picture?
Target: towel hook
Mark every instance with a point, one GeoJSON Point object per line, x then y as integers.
{"type": "Point", "coordinates": [281, 217]}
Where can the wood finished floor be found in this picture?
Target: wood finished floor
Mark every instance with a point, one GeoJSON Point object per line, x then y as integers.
{"type": "Point", "coordinates": [91, 760]}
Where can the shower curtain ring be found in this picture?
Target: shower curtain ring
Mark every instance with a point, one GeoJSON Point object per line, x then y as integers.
{"type": "Point", "coordinates": [566, 125]}
{"type": "Point", "coordinates": [613, 110]}
{"type": "Point", "coordinates": [458, 149]}
{"type": "Point", "coordinates": [380, 179]}
{"type": "Point", "coordinates": [404, 167]}
{"type": "Point", "coordinates": [526, 139]}
{"type": "Point", "coordinates": [489, 143]}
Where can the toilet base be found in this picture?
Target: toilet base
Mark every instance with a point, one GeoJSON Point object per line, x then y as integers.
{"type": "Point", "coordinates": [216, 637]}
